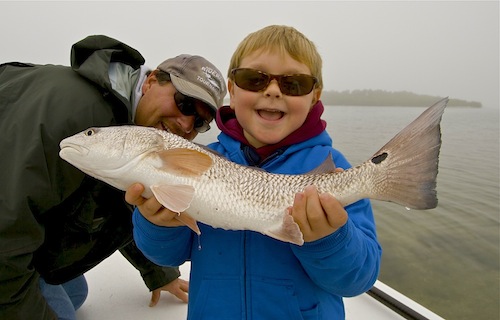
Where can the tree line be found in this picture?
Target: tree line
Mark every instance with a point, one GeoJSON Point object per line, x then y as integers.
{"type": "Point", "coordinates": [386, 98]}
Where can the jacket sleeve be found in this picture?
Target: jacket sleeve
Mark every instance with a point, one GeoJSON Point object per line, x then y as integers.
{"type": "Point", "coordinates": [165, 246]}
{"type": "Point", "coordinates": [154, 276]}
{"type": "Point", "coordinates": [347, 262]}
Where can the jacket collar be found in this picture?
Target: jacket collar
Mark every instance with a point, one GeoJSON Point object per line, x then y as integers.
{"type": "Point", "coordinates": [93, 57]}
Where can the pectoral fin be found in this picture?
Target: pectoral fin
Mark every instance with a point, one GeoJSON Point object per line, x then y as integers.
{"type": "Point", "coordinates": [177, 198]}
{"type": "Point", "coordinates": [185, 162]}
{"type": "Point", "coordinates": [189, 221]}
{"type": "Point", "coordinates": [289, 231]}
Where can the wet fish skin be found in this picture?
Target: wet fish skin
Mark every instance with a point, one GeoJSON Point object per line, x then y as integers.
{"type": "Point", "coordinates": [186, 177]}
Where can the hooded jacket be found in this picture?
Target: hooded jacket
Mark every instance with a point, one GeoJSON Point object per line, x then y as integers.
{"type": "Point", "coordinates": [55, 221]}
{"type": "Point", "coordinates": [247, 275]}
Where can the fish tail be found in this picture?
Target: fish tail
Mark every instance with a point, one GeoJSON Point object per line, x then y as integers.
{"type": "Point", "coordinates": [408, 164]}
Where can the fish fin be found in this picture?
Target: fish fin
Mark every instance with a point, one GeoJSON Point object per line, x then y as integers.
{"type": "Point", "coordinates": [289, 231]}
{"type": "Point", "coordinates": [176, 198]}
{"type": "Point", "coordinates": [207, 149]}
{"type": "Point", "coordinates": [407, 166]}
{"type": "Point", "coordinates": [189, 221]}
{"type": "Point", "coordinates": [186, 162]}
{"type": "Point", "coordinates": [327, 166]}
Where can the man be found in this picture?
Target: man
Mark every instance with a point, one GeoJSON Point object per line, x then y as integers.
{"type": "Point", "coordinates": [56, 223]}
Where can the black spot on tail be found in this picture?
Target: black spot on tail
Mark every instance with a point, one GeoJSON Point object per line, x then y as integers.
{"type": "Point", "coordinates": [379, 158]}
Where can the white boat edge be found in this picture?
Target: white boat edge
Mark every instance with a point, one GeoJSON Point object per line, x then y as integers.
{"type": "Point", "coordinates": [400, 303]}
{"type": "Point", "coordinates": [116, 291]}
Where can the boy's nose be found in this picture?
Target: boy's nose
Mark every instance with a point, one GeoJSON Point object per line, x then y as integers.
{"type": "Point", "coordinates": [273, 89]}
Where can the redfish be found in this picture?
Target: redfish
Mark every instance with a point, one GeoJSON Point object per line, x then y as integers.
{"type": "Point", "coordinates": [206, 187]}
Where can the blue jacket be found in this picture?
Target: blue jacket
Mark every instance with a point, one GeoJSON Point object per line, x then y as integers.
{"type": "Point", "coordinates": [247, 275]}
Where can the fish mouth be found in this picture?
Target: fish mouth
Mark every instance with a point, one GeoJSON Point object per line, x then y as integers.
{"type": "Point", "coordinates": [271, 114]}
{"type": "Point", "coordinates": [68, 148]}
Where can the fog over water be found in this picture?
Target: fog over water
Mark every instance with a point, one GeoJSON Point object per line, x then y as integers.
{"type": "Point", "coordinates": [444, 48]}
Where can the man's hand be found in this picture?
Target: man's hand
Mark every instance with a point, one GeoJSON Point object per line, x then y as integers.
{"type": "Point", "coordinates": [152, 210]}
{"type": "Point", "coordinates": [178, 288]}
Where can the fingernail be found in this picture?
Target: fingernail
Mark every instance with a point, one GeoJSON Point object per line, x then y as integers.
{"type": "Point", "coordinates": [310, 188]}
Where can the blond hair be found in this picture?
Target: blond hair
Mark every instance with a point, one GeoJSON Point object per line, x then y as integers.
{"type": "Point", "coordinates": [281, 39]}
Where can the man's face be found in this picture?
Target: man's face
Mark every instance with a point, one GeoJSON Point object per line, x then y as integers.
{"type": "Point", "coordinates": [157, 108]}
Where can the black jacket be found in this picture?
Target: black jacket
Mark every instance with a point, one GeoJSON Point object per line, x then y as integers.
{"type": "Point", "coordinates": [55, 220]}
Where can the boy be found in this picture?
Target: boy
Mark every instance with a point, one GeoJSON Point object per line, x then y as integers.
{"type": "Point", "coordinates": [273, 122]}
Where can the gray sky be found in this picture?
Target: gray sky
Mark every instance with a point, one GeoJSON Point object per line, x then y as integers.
{"type": "Point", "coordinates": [444, 48]}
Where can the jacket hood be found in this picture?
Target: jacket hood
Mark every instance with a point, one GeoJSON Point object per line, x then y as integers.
{"type": "Point", "coordinates": [91, 57]}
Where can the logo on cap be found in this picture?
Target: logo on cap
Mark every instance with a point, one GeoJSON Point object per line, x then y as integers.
{"type": "Point", "coordinates": [210, 82]}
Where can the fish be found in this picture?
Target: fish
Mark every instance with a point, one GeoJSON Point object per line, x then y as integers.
{"type": "Point", "coordinates": [205, 187]}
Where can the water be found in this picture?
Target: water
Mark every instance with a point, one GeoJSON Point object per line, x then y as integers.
{"type": "Point", "coordinates": [446, 258]}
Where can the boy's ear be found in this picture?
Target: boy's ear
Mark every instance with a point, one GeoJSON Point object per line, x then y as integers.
{"type": "Point", "coordinates": [230, 90]}
{"type": "Point", "coordinates": [230, 87]}
{"type": "Point", "coordinates": [316, 96]}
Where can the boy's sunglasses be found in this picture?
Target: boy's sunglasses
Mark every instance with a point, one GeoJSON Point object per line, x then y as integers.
{"type": "Point", "coordinates": [187, 106]}
{"type": "Point", "coordinates": [290, 85]}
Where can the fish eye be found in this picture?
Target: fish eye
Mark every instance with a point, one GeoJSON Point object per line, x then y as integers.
{"type": "Point", "coordinates": [89, 132]}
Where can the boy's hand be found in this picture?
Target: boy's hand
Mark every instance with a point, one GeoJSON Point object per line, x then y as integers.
{"type": "Point", "coordinates": [318, 215]}
{"type": "Point", "coordinates": [150, 208]}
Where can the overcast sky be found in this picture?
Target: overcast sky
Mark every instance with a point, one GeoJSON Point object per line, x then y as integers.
{"type": "Point", "coordinates": [444, 48]}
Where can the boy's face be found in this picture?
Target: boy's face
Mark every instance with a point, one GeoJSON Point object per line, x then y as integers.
{"type": "Point", "coordinates": [268, 116]}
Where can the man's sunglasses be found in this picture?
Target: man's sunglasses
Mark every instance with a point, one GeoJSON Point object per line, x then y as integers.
{"type": "Point", "coordinates": [290, 85]}
{"type": "Point", "coordinates": [187, 106]}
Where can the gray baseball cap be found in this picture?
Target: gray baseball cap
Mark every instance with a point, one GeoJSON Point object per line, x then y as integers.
{"type": "Point", "coordinates": [196, 77]}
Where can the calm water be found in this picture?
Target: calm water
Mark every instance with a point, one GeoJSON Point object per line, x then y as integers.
{"type": "Point", "coordinates": [446, 258]}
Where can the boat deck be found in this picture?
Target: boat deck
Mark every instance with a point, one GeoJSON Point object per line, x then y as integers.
{"type": "Point", "coordinates": [116, 291]}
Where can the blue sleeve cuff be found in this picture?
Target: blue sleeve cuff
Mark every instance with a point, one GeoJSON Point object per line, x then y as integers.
{"type": "Point", "coordinates": [144, 228]}
{"type": "Point", "coordinates": [332, 242]}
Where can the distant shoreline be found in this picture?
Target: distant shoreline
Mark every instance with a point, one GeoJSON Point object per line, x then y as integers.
{"type": "Point", "coordinates": [381, 98]}
{"type": "Point", "coordinates": [387, 98]}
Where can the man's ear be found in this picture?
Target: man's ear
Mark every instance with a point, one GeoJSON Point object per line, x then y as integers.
{"type": "Point", "coordinates": [149, 81]}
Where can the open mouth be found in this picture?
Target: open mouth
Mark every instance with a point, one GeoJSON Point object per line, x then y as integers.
{"type": "Point", "coordinates": [164, 127]}
{"type": "Point", "coordinates": [270, 114]}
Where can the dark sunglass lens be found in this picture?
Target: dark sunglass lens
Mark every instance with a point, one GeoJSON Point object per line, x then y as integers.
{"type": "Point", "coordinates": [291, 85]}
{"type": "Point", "coordinates": [297, 85]}
{"type": "Point", "coordinates": [251, 80]}
{"type": "Point", "coordinates": [185, 104]}
{"type": "Point", "coordinates": [201, 125]}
